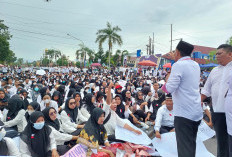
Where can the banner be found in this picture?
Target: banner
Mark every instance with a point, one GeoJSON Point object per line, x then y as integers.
{"type": "Point", "coordinates": [76, 151]}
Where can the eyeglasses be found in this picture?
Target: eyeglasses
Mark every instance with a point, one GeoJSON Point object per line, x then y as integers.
{"type": "Point", "coordinates": [72, 103]}
{"type": "Point", "coordinates": [52, 113]}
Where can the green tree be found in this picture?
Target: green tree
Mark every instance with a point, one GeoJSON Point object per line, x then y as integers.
{"type": "Point", "coordinates": [62, 61]}
{"type": "Point", "coordinates": [45, 61]}
{"type": "Point", "coordinates": [6, 54]}
{"type": "Point", "coordinates": [229, 41]}
{"type": "Point", "coordinates": [100, 55]}
{"type": "Point", "coordinates": [83, 51]}
{"type": "Point", "coordinates": [110, 34]}
{"type": "Point", "coordinates": [212, 59]}
{"type": "Point", "coordinates": [20, 61]}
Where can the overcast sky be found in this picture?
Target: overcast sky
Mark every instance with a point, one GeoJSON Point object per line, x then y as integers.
{"type": "Point", "coordinates": [37, 25]}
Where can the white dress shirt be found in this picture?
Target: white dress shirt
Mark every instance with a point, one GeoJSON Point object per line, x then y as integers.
{"type": "Point", "coordinates": [60, 138]}
{"type": "Point", "coordinates": [51, 104]}
{"type": "Point", "coordinates": [164, 117]}
{"type": "Point", "coordinates": [228, 107]}
{"type": "Point", "coordinates": [183, 83]}
{"type": "Point", "coordinates": [216, 86]}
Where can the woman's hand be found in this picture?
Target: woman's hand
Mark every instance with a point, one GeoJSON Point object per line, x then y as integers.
{"type": "Point", "coordinates": [55, 153]}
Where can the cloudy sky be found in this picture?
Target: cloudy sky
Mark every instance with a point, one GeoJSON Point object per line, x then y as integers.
{"type": "Point", "coordinates": [37, 25]}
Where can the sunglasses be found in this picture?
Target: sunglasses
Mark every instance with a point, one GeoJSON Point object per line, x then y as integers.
{"type": "Point", "coordinates": [72, 103]}
{"type": "Point", "coordinates": [52, 113]}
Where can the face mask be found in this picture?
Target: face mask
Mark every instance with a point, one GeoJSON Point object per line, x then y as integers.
{"type": "Point", "coordinates": [36, 89]}
{"type": "Point", "coordinates": [30, 112]}
{"type": "Point", "coordinates": [38, 126]}
{"type": "Point", "coordinates": [63, 81]}
{"type": "Point", "coordinates": [2, 134]}
{"type": "Point", "coordinates": [47, 101]}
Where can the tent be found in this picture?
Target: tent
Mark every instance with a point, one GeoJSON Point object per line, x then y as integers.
{"type": "Point", "coordinates": [208, 65]}
{"type": "Point", "coordinates": [147, 63]}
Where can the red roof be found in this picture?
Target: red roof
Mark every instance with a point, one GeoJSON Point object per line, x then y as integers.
{"type": "Point", "coordinates": [203, 49]}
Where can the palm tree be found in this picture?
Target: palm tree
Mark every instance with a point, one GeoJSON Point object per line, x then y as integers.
{"type": "Point", "coordinates": [110, 34]}
{"type": "Point", "coordinates": [57, 54]}
{"type": "Point", "coordinates": [90, 53]}
{"type": "Point", "coordinates": [81, 52]}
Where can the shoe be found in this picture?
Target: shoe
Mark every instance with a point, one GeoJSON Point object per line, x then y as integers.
{"type": "Point", "coordinates": [145, 126]}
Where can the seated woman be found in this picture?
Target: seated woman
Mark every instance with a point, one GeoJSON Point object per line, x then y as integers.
{"type": "Point", "coordinates": [56, 98]}
{"type": "Point", "coordinates": [37, 140]}
{"type": "Point", "coordinates": [82, 118]}
{"type": "Point", "coordinates": [15, 115]}
{"type": "Point", "coordinates": [95, 132]}
{"type": "Point", "coordinates": [69, 117]}
{"type": "Point", "coordinates": [7, 145]}
{"type": "Point", "coordinates": [47, 102]}
{"type": "Point", "coordinates": [52, 121]}
{"type": "Point", "coordinates": [32, 107]}
{"type": "Point", "coordinates": [88, 105]}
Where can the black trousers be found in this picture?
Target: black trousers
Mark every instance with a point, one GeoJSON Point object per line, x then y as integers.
{"type": "Point", "coordinates": [230, 145]}
{"type": "Point", "coordinates": [165, 129]}
{"type": "Point", "coordinates": [220, 127]}
{"type": "Point", "coordinates": [186, 134]}
{"type": "Point", "coordinates": [112, 138]}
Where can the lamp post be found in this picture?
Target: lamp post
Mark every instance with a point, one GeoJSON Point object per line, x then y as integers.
{"type": "Point", "coordinates": [81, 42]}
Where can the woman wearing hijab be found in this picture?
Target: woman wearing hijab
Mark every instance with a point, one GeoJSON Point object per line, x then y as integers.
{"type": "Point", "coordinates": [43, 91]}
{"type": "Point", "coordinates": [24, 94]}
{"type": "Point", "coordinates": [89, 103]}
{"type": "Point", "coordinates": [69, 117]}
{"type": "Point", "coordinates": [56, 98]}
{"type": "Point", "coordinates": [50, 116]}
{"type": "Point", "coordinates": [61, 89]}
{"type": "Point", "coordinates": [82, 117]}
{"type": "Point", "coordinates": [37, 140]}
{"type": "Point", "coordinates": [34, 94]}
{"type": "Point", "coordinates": [95, 132]}
{"type": "Point", "coordinates": [3, 104]}
{"type": "Point", "coordinates": [32, 107]}
{"type": "Point", "coordinates": [16, 112]}
{"type": "Point", "coordinates": [7, 145]}
{"type": "Point", "coordinates": [99, 99]}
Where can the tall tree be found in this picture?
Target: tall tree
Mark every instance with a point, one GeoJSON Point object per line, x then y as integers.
{"type": "Point", "coordinates": [6, 54]}
{"type": "Point", "coordinates": [110, 34]}
{"type": "Point", "coordinates": [229, 41]}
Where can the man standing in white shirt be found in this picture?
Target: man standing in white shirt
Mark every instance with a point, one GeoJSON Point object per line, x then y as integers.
{"type": "Point", "coordinates": [228, 109]}
{"type": "Point", "coordinates": [217, 86]}
{"type": "Point", "coordinates": [183, 84]}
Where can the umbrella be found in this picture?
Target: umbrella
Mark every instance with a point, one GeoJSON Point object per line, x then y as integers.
{"type": "Point", "coordinates": [40, 72]}
{"type": "Point", "coordinates": [96, 65]}
{"type": "Point", "coordinates": [147, 63]}
{"type": "Point", "coordinates": [168, 65]}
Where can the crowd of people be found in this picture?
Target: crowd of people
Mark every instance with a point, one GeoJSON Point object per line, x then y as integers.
{"type": "Point", "coordinates": [54, 111]}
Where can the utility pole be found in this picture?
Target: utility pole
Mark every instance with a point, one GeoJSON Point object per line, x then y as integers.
{"type": "Point", "coordinates": [149, 45]}
{"type": "Point", "coordinates": [153, 44]}
{"type": "Point", "coordinates": [171, 39]}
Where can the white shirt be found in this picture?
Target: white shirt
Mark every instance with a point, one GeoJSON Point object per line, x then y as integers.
{"type": "Point", "coordinates": [113, 121]}
{"type": "Point", "coordinates": [183, 83]}
{"type": "Point", "coordinates": [164, 117]}
{"type": "Point", "coordinates": [60, 138]}
{"type": "Point", "coordinates": [216, 86]}
{"type": "Point", "coordinates": [228, 107]}
{"type": "Point", "coordinates": [51, 104]}
{"type": "Point", "coordinates": [17, 121]}
{"type": "Point", "coordinates": [12, 147]}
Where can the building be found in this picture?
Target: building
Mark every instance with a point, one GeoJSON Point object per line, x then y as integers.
{"type": "Point", "coordinates": [200, 55]}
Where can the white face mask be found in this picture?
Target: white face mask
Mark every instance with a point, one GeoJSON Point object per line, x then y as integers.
{"type": "Point", "coordinates": [47, 101]}
{"type": "Point", "coordinates": [2, 134]}
{"type": "Point", "coordinates": [30, 112]}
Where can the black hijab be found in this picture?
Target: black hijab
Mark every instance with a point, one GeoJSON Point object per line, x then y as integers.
{"type": "Point", "coordinates": [35, 105]}
{"type": "Point", "coordinates": [38, 141]}
{"type": "Point", "coordinates": [14, 106]}
{"type": "Point", "coordinates": [55, 124]}
{"type": "Point", "coordinates": [120, 108]}
{"type": "Point", "coordinates": [4, 100]}
{"type": "Point", "coordinates": [88, 102]}
{"type": "Point", "coordinates": [72, 113]}
{"type": "Point", "coordinates": [59, 101]}
{"type": "Point", "coordinates": [3, 145]}
{"type": "Point", "coordinates": [93, 128]}
{"type": "Point", "coordinates": [71, 91]}
{"type": "Point", "coordinates": [43, 91]}
{"type": "Point", "coordinates": [74, 95]}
